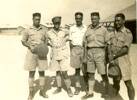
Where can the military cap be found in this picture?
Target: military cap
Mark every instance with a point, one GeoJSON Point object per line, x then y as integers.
{"type": "Point", "coordinates": [56, 19]}
{"type": "Point", "coordinates": [95, 14]}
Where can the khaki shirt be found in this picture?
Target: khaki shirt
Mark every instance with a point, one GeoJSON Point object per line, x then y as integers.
{"type": "Point", "coordinates": [35, 36]}
{"type": "Point", "coordinates": [119, 40]}
{"type": "Point", "coordinates": [58, 41]}
{"type": "Point", "coordinates": [96, 37]}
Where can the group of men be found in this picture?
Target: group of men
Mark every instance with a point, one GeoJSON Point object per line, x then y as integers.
{"type": "Point", "coordinates": [88, 47]}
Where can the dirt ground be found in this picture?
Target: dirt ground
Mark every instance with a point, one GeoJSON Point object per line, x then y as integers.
{"type": "Point", "coordinates": [13, 78]}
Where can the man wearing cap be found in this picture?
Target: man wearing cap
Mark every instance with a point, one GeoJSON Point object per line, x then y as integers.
{"type": "Point", "coordinates": [120, 42]}
{"type": "Point", "coordinates": [95, 41]}
{"type": "Point", "coordinates": [77, 33]}
{"type": "Point", "coordinates": [60, 61]}
{"type": "Point", "coordinates": [32, 37]}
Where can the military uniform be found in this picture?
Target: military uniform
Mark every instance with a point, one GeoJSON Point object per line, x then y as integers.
{"type": "Point", "coordinates": [118, 40]}
{"type": "Point", "coordinates": [96, 39]}
{"type": "Point", "coordinates": [34, 36]}
{"type": "Point", "coordinates": [76, 37]}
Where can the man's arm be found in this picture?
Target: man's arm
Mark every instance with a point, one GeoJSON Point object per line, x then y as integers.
{"type": "Point", "coordinates": [25, 39]}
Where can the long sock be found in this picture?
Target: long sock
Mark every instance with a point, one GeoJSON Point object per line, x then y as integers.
{"type": "Point", "coordinates": [67, 83]}
{"type": "Point", "coordinates": [58, 79]}
{"type": "Point", "coordinates": [91, 84]}
{"type": "Point", "coordinates": [77, 81]}
{"type": "Point", "coordinates": [42, 82]}
{"type": "Point", "coordinates": [31, 82]}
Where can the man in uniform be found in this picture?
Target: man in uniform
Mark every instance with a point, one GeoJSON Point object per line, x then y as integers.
{"type": "Point", "coordinates": [95, 40]}
{"type": "Point", "coordinates": [120, 42]}
{"type": "Point", "coordinates": [60, 62]}
{"type": "Point", "coordinates": [34, 35]}
{"type": "Point", "coordinates": [77, 33]}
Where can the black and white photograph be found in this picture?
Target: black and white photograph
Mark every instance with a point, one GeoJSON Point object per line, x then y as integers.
{"type": "Point", "coordinates": [68, 50]}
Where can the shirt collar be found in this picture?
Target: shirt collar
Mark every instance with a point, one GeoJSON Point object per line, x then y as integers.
{"type": "Point", "coordinates": [99, 26]}
{"type": "Point", "coordinates": [123, 30]}
{"type": "Point", "coordinates": [82, 26]}
{"type": "Point", "coordinates": [33, 27]}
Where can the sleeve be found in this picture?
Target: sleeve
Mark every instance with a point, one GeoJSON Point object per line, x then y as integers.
{"type": "Point", "coordinates": [128, 39]}
{"type": "Point", "coordinates": [70, 33]}
{"type": "Point", "coordinates": [25, 35]}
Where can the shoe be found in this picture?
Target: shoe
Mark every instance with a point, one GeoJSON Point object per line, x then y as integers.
{"type": "Point", "coordinates": [43, 94]}
{"type": "Point", "coordinates": [85, 97]}
{"type": "Point", "coordinates": [69, 91]}
{"type": "Point", "coordinates": [58, 90]}
{"type": "Point", "coordinates": [77, 91]}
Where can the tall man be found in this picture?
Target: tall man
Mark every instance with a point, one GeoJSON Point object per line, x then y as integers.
{"type": "Point", "coordinates": [77, 33]}
{"type": "Point", "coordinates": [120, 42]}
{"type": "Point", "coordinates": [59, 57]}
{"type": "Point", "coordinates": [95, 42]}
{"type": "Point", "coordinates": [34, 35]}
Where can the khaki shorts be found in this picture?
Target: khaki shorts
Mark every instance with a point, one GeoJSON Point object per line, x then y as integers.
{"type": "Point", "coordinates": [32, 62]}
{"type": "Point", "coordinates": [125, 67]}
{"type": "Point", "coordinates": [76, 58]}
{"type": "Point", "coordinates": [60, 65]}
{"type": "Point", "coordinates": [96, 59]}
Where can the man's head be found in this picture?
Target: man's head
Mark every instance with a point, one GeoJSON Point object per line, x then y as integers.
{"type": "Point", "coordinates": [36, 19]}
{"type": "Point", "coordinates": [95, 18]}
{"type": "Point", "coordinates": [119, 20]}
{"type": "Point", "coordinates": [56, 22]}
{"type": "Point", "coordinates": [78, 18]}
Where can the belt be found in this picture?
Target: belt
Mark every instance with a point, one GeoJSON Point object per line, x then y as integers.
{"type": "Point", "coordinates": [95, 47]}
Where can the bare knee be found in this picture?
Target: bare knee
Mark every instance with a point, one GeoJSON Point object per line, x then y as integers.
{"type": "Point", "coordinates": [65, 75]}
{"type": "Point", "coordinates": [31, 74]}
{"type": "Point", "coordinates": [41, 73]}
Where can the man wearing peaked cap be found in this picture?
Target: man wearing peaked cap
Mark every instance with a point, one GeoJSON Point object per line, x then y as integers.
{"type": "Point", "coordinates": [60, 62]}
{"type": "Point", "coordinates": [56, 19]}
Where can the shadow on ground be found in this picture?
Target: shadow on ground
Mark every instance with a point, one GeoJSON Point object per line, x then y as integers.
{"type": "Point", "coordinates": [51, 82]}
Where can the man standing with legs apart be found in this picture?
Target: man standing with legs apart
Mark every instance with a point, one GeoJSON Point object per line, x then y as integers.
{"type": "Point", "coordinates": [95, 40]}
{"type": "Point", "coordinates": [60, 62]}
{"type": "Point", "coordinates": [120, 42]}
{"type": "Point", "coordinates": [32, 37]}
{"type": "Point", "coordinates": [77, 33]}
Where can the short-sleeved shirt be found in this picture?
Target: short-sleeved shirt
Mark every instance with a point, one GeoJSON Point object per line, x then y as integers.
{"type": "Point", "coordinates": [35, 36]}
{"type": "Point", "coordinates": [58, 41]}
{"type": "Point", "coordinates": [118, 40]}
{"type": "Point", "coordinates": [77, 34]}
{"type": "Point", "coordinates": [96, 37]}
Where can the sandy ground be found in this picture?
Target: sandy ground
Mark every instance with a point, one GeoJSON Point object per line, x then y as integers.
{"type": "Point", "coordinates": [13, 78]}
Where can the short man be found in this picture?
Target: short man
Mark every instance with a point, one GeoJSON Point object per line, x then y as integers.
{"type": "Point", "coordinates": [33, 36]}
{"type": "Point", "coordinates": [77, 33]}
{"type": "Point", "coordinates": [95, 41]}
{"type": "Point", "coordinates": [120, 42]}
{"type": "Point", "coordinates": [60, 61]}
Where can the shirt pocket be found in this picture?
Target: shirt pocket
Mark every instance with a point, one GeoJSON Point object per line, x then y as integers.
{"type": "Point", "coordinates": [121, 42]}
{"type": "Point", "coordinates": [100, 38]}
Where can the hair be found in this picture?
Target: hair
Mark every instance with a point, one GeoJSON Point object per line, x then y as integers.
{"type": "Point", "coordinates": [79, 13]}
{"type": "Point", "coordinates": [95, 14]}
{"type": "Point", "coordinates": [120, 15]}
{"type": "Point", "coordinates": [36, 14]}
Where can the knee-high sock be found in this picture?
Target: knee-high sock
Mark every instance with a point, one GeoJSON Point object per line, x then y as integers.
{"type": "Point", "coordinates": [91, 84]}
{"type": "Point", "coordinates": [41, 82]}
{"type": "Point", "coordinates": [58, 79]}
{"type": "Point", "coordinates": [67, 83]}
{"type": "Point", "coordinates": [31, 83]}
{"type": "Point", "coordinates": [77, 81]}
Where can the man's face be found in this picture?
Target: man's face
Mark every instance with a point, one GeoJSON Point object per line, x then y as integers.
{"type": "Point", "coordinates": [57, 25]}
{"type": "Point", "coordinates": [36, 21]}
{"type": "Point", "coordinates": [78, 19]}
{"type": "Point", "coordinates": [95, 20]}
{"type": "Point", "coordinates": [119, 22]}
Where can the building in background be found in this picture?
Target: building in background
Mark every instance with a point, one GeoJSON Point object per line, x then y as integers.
{"type": "Point", "coordinates": [130, 14]}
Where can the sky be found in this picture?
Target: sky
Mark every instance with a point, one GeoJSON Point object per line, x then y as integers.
{"type": "Point", "coordinates": [19, 12]}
